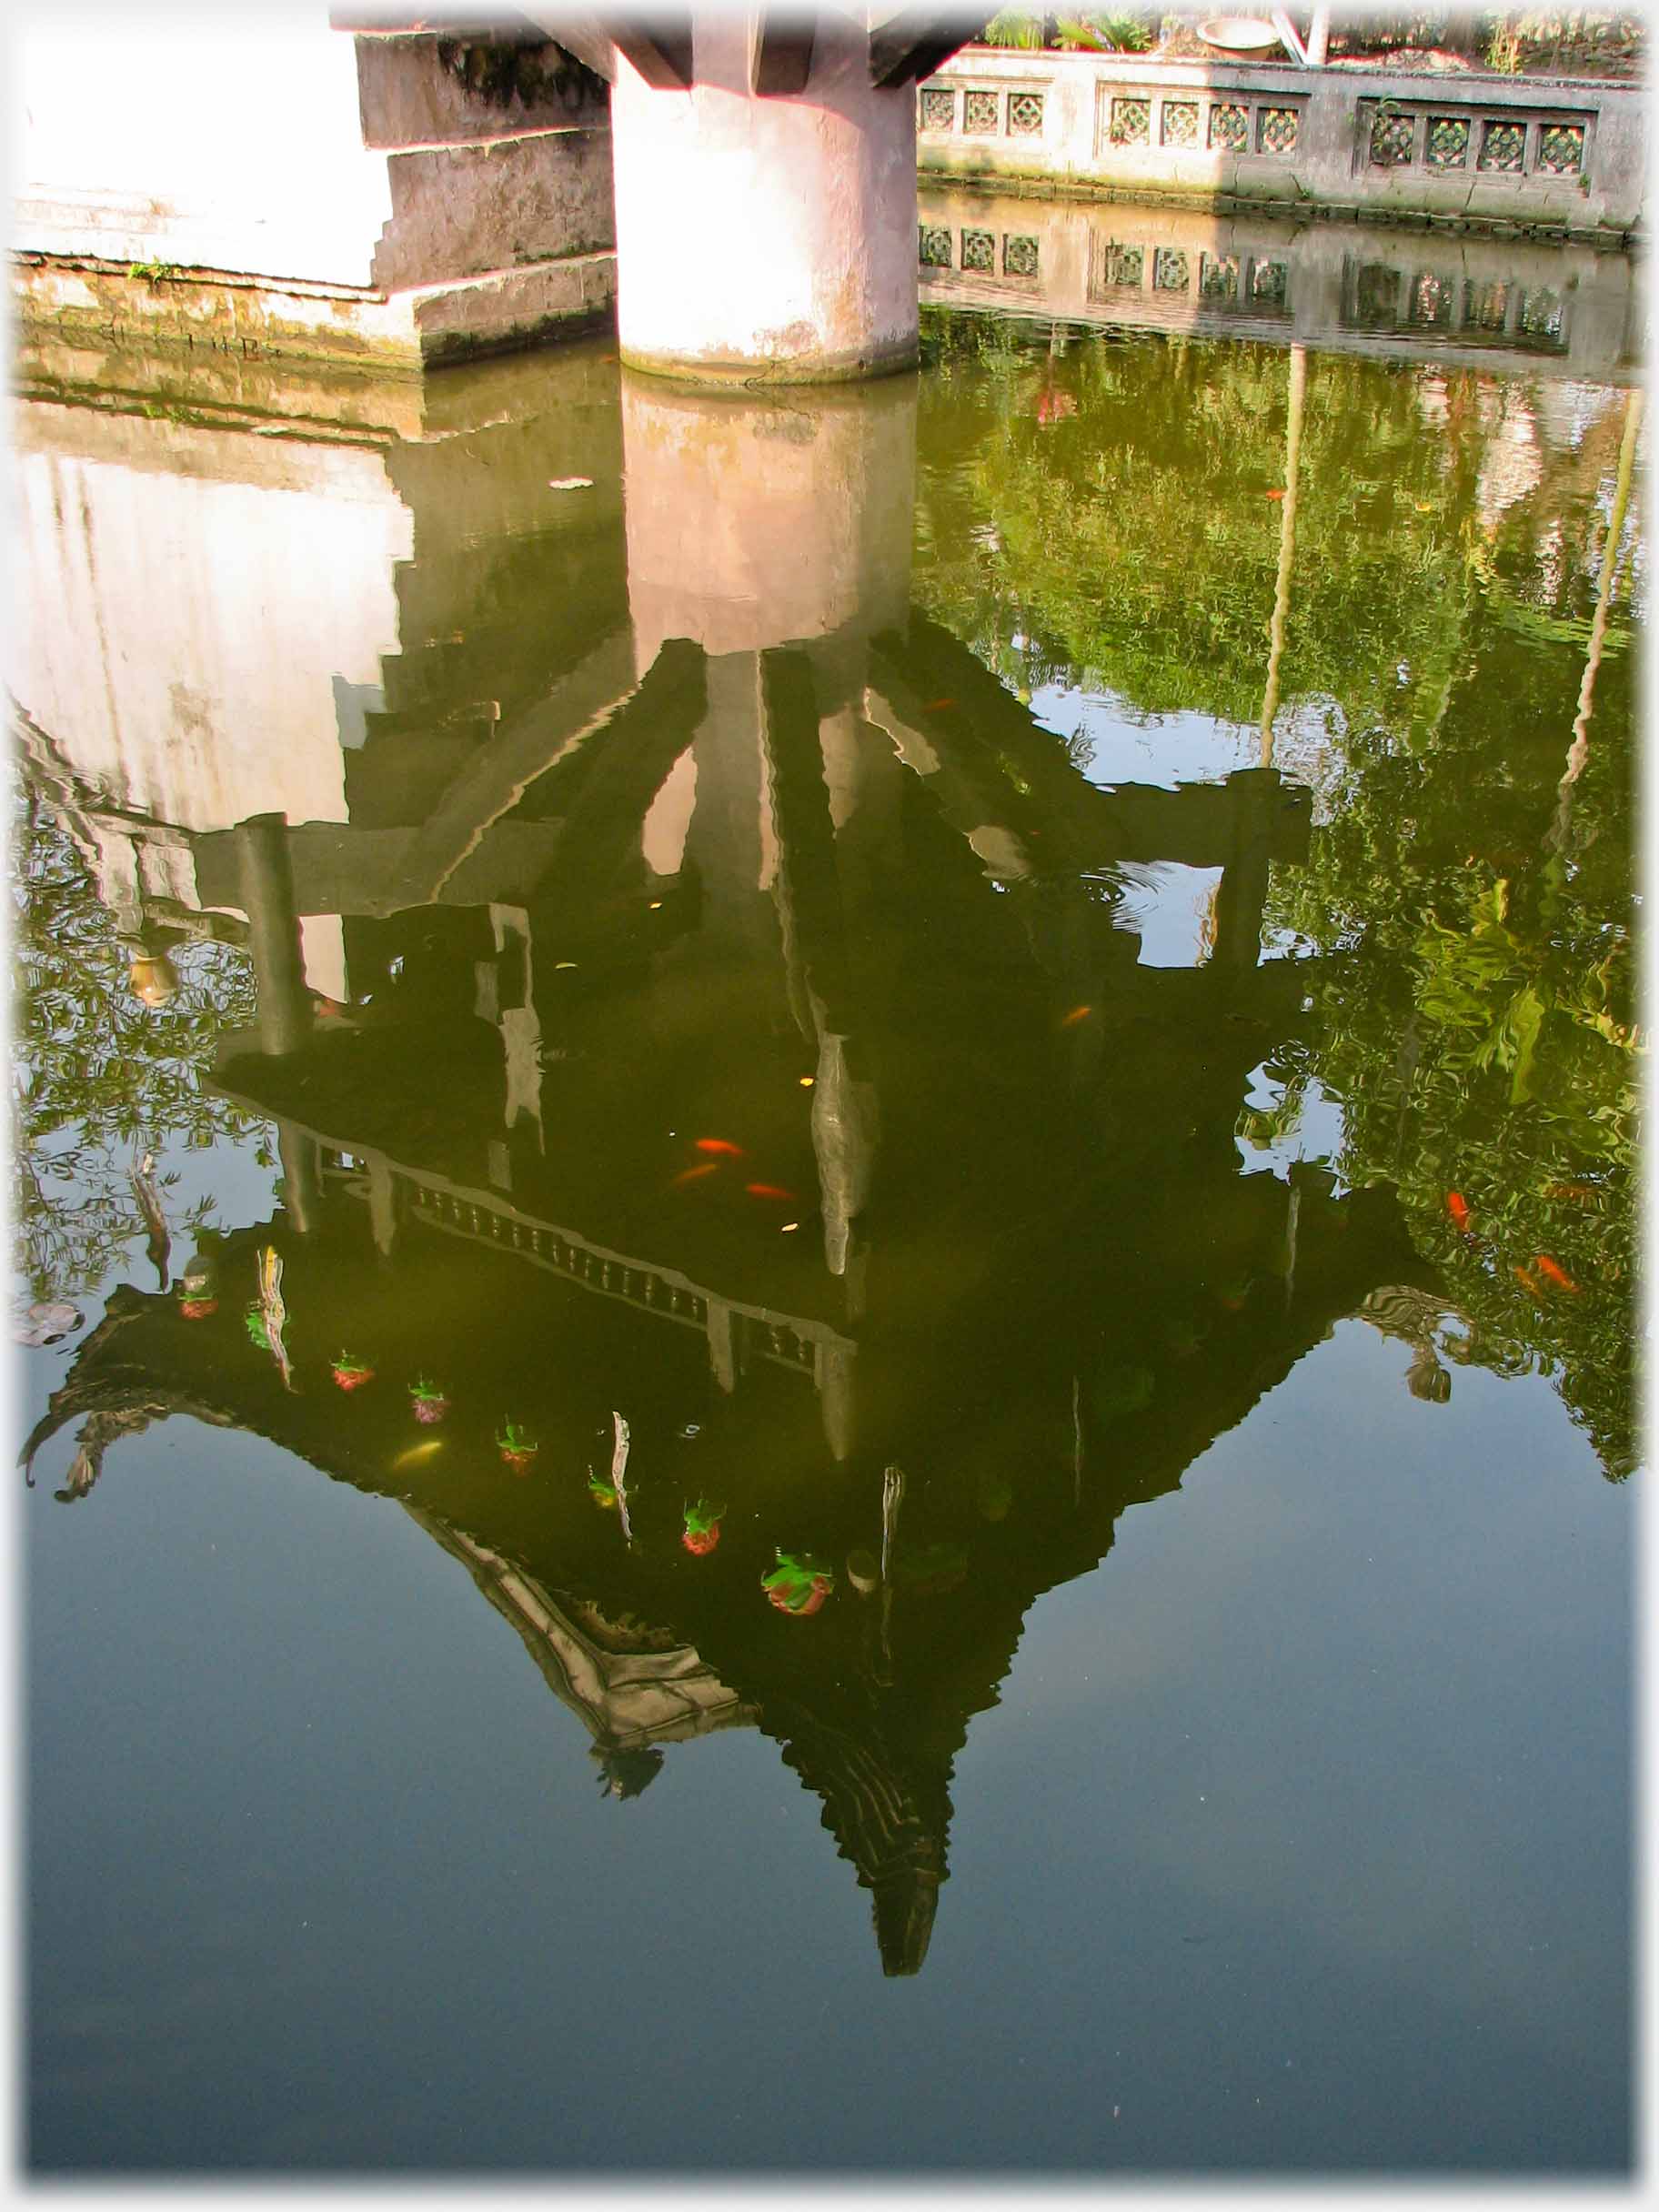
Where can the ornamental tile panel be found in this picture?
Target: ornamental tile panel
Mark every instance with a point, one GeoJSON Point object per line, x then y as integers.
{"type": "Point", "coordinates": [1178, 125]}
{"type": "Point", "coordinates": [978, 250]}
{"type": "Point", "coordinates": [1277, 130]}
{"type": "Point", "coordinates": [1392, 139]}
{"type": "Point", "coordinates": [1124, 265]}
{"type": "Point", "coordinates": [1486, 306]}
{"type": "Point", "coordinates": [1229, 126]}
{"type": "Point", "coordinates": [938, 111]}
{"type": "Point", "coordinates": [981, 112]}
{"type": "Point", "coordinates": [1447, 144]}
{"type": "Point", "coordinates": [1561, 149]}
{"type": "Point", "coordinates": [1131, 122]}
{"type": "Point", "coordinates": [1020, 256]}
{"type": "Point", "coordinates": [1170, 270]}
{"type": "Point", "coordinates": [1025, 114]}
{"type": "Point", "coordinates": [1218, 277]}
{"type": "Point", "coordinates": [933, 247]}
{"type": "Point", "coordinates": [1503, 146]}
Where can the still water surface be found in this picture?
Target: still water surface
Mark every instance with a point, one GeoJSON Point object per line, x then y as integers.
{"type": "Point", "coordinates": [847, 1231]}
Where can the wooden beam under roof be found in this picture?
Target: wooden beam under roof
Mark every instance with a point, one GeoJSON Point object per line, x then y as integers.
{"type": "Point", "coordinates": [780, 48]}
{"type": "Point", "coordinates": [911, 44]}
{"type": "Point", "coordinates": [658, 45]}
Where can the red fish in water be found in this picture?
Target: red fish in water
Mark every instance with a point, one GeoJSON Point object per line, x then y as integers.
{"type": "Point", "coordinates": [1052, 407]}
{"type": "Point", "coordinates": [709, 1167]}
{"type": "Point", "coordinates": [1557, 1274]}
{"type": "Point", "coordinates": [719, 1144]}
{"type": "Point", "coordinates": [1575, 1193]}
{"type": "Point", "coordinates": [1279, 494]}
{"type": "Point", "coordinates": [1457, 1206]}
{"type": "Point", "coordinates": [1078, 1014]}
{"type": "Point", "coordinates": [767, 1190]}
{"type": "Point", "coordinates": [937, 706]}
{"type": "Point", "coordinates": [1529, 1282]}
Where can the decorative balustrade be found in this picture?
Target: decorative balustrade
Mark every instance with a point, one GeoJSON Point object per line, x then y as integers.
{"type": "Point", "coordinates": [1474, 149]}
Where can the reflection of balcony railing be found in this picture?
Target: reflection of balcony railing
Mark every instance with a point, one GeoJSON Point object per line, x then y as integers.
{"type": "Point", "coordinates": [787, 1340]}
{"type": "Point", "coordinates": [1440, 304]}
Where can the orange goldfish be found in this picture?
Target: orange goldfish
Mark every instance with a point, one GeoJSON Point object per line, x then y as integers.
{"type": "Point", "coordinates": [1529, 1282]}
{"type": "Point", "coordinates": [1078, 1014]}
{"type": "Point", "coordinates": [1577, 1193]}
{"type": "Point", "coordinates": [709, 1167]}
{"type": "Point", "coordinates": [1275, 494]}
{"type": "Point", "coordinates": [1457, 1206]}
{"type": "Point", "coordinates": [767, 1190]}
{"type": "Point", "coordinates": [719, 1144]}
{"type": "Point", "coordinates": [1556, 1273]}
{"type": "Point", "coordinates": [937, 706]}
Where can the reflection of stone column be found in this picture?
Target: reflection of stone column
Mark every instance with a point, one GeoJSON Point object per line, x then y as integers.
{"type": "Point", "coordinates": [302, 1176]}
{"type": "Point", "coordinates": [382, 1204]}
{"type": "Point", "coordinates": [759, 521]}
{"type": "Point", "coordinates": [766, 238]}
{"type": "Point", "coordinates": [1240, 897]}
{"type": "Point", "coordinates": [267, 894]}
{"type": "Point", "coordinates": [722, 1348]}
{"type": "Point", "coordinates": [836, 1410]}
{"type": "Point", "coordinates": [844, 1127]}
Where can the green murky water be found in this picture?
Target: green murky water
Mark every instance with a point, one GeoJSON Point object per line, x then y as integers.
{"type": "Point", "coordinates": [834, 1201]}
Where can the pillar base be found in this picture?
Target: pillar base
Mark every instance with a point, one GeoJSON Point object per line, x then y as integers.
{"type": "Point", "coordinates": [809, 367]}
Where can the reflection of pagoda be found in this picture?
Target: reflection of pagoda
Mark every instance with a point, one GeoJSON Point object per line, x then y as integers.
{"type": "Point", "coordinates": [737, 848]}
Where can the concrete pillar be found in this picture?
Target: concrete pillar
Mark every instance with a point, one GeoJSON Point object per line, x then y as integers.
{"type": "Point", "coordinates": [765, 239]}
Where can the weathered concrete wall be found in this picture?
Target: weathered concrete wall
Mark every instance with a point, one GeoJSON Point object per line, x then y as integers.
{"type": "Point", "coordinates": [1508, 152]}
{"type": "Point", "coordinates": [1498, 303]}
{"type": "Point", "coordinates": [765, 239]}
{"type": "Point", "coordinates": [275, 185]}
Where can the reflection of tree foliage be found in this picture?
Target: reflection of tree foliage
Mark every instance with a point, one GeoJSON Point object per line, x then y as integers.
{"type": "Point", "coordinates": [1475, 1015]}
{"type": "Point", "coordinates": [1107, 506]}
{"type": "Point", "coordinates": [97, 1075]}
{"type": "Point", "coordinates": [1111, 505]}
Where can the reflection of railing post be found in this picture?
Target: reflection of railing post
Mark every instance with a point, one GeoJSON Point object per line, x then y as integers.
{"type": "Point", "coordinates": [1287, 546]}
{"type": "Point", "coordinates": [273, 919]}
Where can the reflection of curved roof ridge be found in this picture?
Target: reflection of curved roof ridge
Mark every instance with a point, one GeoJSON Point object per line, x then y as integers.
{"type": "Point", "coordinates": [626, 1699]}
{"type": "Point", "coordinates": [896, 1845]}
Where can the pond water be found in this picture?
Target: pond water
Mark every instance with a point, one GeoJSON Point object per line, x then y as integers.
{"type": "Point", "coordinates": [832, 1199]}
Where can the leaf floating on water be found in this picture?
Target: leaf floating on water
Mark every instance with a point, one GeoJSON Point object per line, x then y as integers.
{"type": "Point", "coordinates": [569, 482]}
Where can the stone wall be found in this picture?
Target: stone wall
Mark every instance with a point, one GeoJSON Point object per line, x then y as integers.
{"type": "Point", "coordinates": [1504, 153]}
{"type": "Point", "coordinates": [273, 185]}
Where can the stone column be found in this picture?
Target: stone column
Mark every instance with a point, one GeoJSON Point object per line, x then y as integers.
{"type": "Point", "coordinates": [765, 239]}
